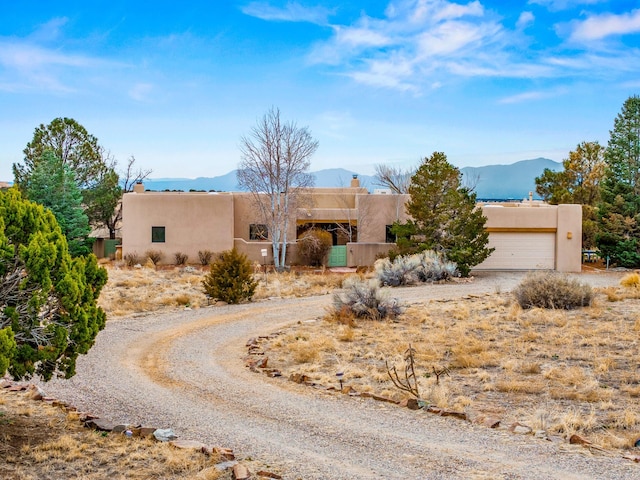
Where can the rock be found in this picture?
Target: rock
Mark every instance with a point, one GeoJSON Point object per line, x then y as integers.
{"type": "Point", "coordinates": [226, 453]}
{"type": "Point", "coordinates": [520, 429]}
{"type": "Point", "coordinates": [578, 440]}
{"type": "Point", "coordinates": [263, 473]}
{"type": "Point", "coordinates": [299, 378]}
{"type": "Point", "coordinates": [347, 389]}
{"type": "Point", "coordinates": [275, 373]}
{"type": "Point", "coordinates": [36, 393]}
{"type": "Point", "coordinates": [263, 362]}
{"type": "Point", "coordinates": [240, 472]}
{"type": "Point", "coordinates": [410, 403]}
{"type": "Point", "coordinates": [491, 422]}
{"type": "Point", "coordinates": [436, 410]}
{"type": "Point", "coordinates": [144, 432]}
{"type": "Point", "coordinates": [188, 444]}
{"type": "Point", "coordinates": [634, 458]}
{"type": "Point", "coordinates": [453, 413]}
{"type": "Point", "coordinates": [540, 434]}
{"type": "Point", "coordinates": [5, 383]}
{"type": "Point", "coordinates": [17, 388]}
{"type": "Point", "coordinates": [99, 424]}
{"type": "Point", "coordinates": [164, 434]}
{"type": "Point", "coordinates": [637, 443]}
{"type": "Point", "coordinates": [379, 398]}
{"type": "Point", "coordinates": [251, 341]}
{"type": "Point", "coordinates": [222, 466]}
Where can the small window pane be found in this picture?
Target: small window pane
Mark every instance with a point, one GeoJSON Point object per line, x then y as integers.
{"type": "Point", "coordinates": [157, 234]}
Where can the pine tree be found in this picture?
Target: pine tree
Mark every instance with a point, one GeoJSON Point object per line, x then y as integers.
{"type": "Point", "coordinates": [619, 211]}
{"type": "Point", "coordinates": [230, 278]}
{"type": "Point", "coordinates": [444, 215]}
{"type": "Point", "coordinates": [52, 184]}
{"type": "Point", "coordinates": [48, 309]}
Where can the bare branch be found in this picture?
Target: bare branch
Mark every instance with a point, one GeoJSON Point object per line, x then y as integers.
{"type": "Point", "coordinates": [394, 178]}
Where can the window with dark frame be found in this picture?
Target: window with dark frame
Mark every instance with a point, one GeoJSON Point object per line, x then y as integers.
{"type": "Point", "coordinates": [258, 231]}
{"type": "Point", "coordinates": [389, 235]}
{"type": "Point", "coordinates": [157, 235]}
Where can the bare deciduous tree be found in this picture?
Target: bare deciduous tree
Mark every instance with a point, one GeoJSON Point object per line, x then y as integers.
{"type": "Point", "coordinates": [275, 159]}
{"type": "Point", "coordinates": [394, 178]}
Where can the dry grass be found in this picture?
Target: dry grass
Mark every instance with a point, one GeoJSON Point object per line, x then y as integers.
{"type": "Point", "coordinates": [39, 441]}
{"type": "Point", "coordinates": [137, 290]}
{"type": "Point", "coordinates": [572, 370]}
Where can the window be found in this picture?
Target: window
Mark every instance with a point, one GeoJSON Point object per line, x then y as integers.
{"type": "Point", "coordinates": [389, 235]}
{"type": "Point", "coordinates": [258, 231]}
{"type": "Point", "coordinates": [157, 234]}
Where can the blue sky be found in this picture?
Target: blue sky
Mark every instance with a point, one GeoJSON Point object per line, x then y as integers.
{"type": "Point", "coordinates": [376, 82]}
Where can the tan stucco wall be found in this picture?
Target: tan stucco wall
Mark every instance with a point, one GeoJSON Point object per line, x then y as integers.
{"type": "Point", "coordinates": [192, 221]}
{"type": "Point", "coordinates": [569, 238]}
{"type": "Point", "coordinates": [198, 221]}
{"type": "Point", "coordinates": [375, 212]}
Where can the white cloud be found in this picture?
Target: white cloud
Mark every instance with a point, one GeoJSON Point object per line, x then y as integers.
{"type": "Point", "coordinates": [523, 97]}
{"type": "Point", "coordinates": [292, 12]}
{"type": "Point", "coordinates": [597, 27]}
{"type": "Point", "coordinates": [524, 20]}
{"type": "Point", "coordinates": [558, 5]}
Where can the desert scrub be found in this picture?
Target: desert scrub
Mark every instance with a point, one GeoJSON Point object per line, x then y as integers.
{"type": "Point", "coordinates": [230, 278]}
{"type": "Point", "coordinates": [427, 266]}
{"type": "Point", "coordinates": [364, 299]}
{"type": "Point", "coordinates": [205, 256]}
{"type": "Point", "coordinates": [155, 256]}
{"type": "Point", "coordinates": [552, 290]}
{"type": "Point", "coordinates": [180, 258]}
{"type": "Point", "coordinates": [313, 246]}
{"type": "Point", "coordinates": [131, 259]}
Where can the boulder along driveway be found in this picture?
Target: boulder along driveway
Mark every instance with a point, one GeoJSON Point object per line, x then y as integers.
{"type": "Point", "coordinates": [185, 370]}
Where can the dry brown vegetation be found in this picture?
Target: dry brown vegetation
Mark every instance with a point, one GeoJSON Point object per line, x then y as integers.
{"type": "Point", "coordinates": [40, 441]}
{"type": "Point", "coordinates": [562, 371]}
{"type": "Point", "coordinates": [147, 289]}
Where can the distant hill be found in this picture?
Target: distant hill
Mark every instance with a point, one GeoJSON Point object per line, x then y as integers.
{"type": "Point", "coordinates": [513, 181]}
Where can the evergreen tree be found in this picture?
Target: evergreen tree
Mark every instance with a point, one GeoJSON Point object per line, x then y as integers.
{"type": "Point", "coordinates": [230, 278]}
{"type": "Point", "coordinates": [444, 217]}
{"type": "Point", "coordinates": [579, 182]}
{"type": "Point", "coordinates": [52, 184]}
{"type": "Point", "coordinates": [619, 211]}
{"type": "Point", "coordinates": [48, 309]}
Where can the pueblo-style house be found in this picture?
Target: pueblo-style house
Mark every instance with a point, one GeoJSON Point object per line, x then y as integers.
{"type": "Point", "coordinates": [529, 235]}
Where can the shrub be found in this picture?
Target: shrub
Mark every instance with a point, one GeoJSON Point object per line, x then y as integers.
{"type": "Point", "coordinates": [427, 266]}
{"type": "Point", "coordinates": [205, 257]}
{"type": "Point", "coordinates": [631, 280]}
{"type": "Point", "coordinates": [155, 256]}
{"type": "Point", "coordinates": [552, 290]}
{"type": "Point", "coordinates": [230, 278]}
{"type": "Point", "coordinates": [181, 258]}
{"type": "Point", "coordinates": [313, 246]}
{"type": "Point", "coordinates": [364, 299]}
{"type": "Point", "coordinates": [131, 259]}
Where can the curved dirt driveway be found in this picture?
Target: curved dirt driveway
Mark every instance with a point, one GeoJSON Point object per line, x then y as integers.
{"type": "Point", "coordinates": [185, 371]}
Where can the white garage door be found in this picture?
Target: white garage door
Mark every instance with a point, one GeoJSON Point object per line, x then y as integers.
{"type": "Point", "coordinates": [521, 251]}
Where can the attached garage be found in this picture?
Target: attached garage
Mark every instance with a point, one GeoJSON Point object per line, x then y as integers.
{"type": "Point", "coordinates": [521, 251]}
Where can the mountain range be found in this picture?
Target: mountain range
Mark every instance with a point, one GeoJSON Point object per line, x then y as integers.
{"type": "Point", "coordinates": [513, 181]}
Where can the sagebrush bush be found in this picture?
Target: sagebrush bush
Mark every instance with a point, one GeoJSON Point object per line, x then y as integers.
{"type": "Point", "coordinates": [427, 266]}
{"type": "Point", "coordinates": [313, 246]}
{"type": "Point", "coordinates": [364, 299]}
{"type": "Point", "coordinates": [180, 258]}
{"type": "Point", "coordinates": [230, 278]}
{"type": "Point", "coordinates": [552, 290]}
{"type": "Point", "coordinates": [131, 259]}
{"type": "Point", "coordinates": [155, 256]}
{"type": "Point", "coordinates": [205, 257]}
{"type": "Point", "coordinates": [631, 280]}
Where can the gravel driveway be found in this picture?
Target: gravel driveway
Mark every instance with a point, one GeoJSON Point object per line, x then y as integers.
{"type": "Point", "coordinates": [185, 370]}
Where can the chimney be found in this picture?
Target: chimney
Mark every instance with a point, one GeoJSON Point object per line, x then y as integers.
{"type": "Point", "coordinates": [355, 183]}
{"type": "Point", "coordinates": [138, 187]}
